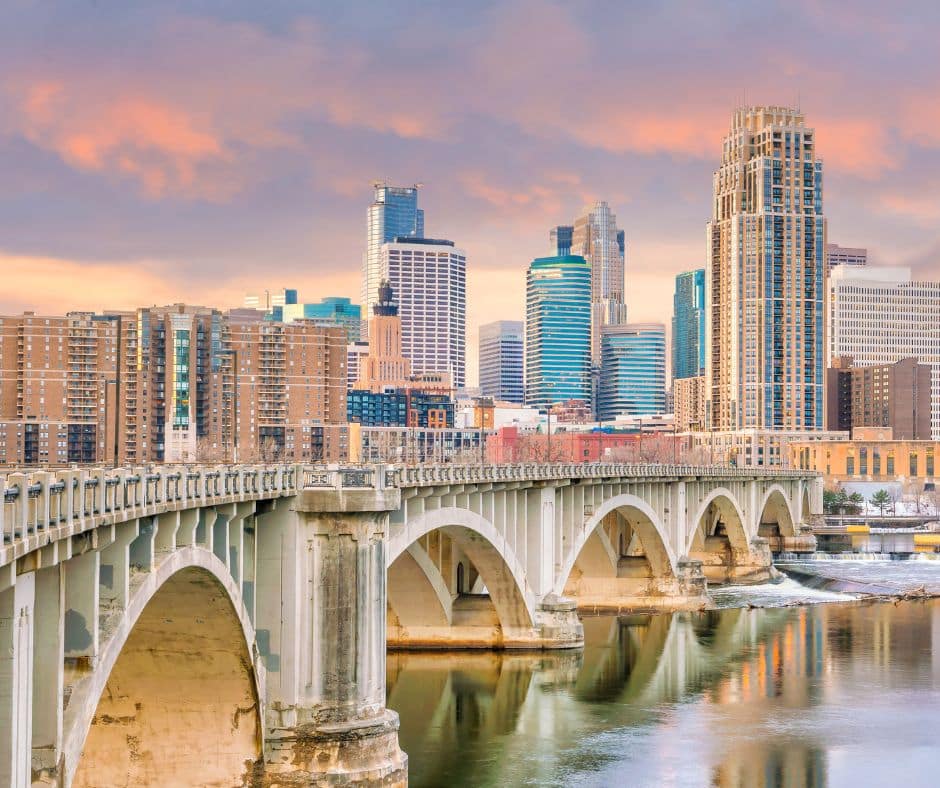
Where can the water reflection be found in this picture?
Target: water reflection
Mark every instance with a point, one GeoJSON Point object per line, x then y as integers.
{"type": "Point", "coordinates": [823, 695]}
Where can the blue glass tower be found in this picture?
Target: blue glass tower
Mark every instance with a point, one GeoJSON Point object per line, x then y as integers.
{"type": "Point", "coordinates": [688, 325]}
{"type": "Point", "coordinates": [330, 311]}
{"type": "Point", "coordinates": [394, 212]}
{"type": "Point", "coordinates": [633, 370]}
{"type": "Point", "coordinates": [558, 330]}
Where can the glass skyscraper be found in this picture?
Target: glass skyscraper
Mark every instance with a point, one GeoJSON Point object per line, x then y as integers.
{"type": "Point", "coordinates": [688, 325]}
{"type": "Point", "coordinates": [633, 370]}
{"type": "Point", "coordinates": [765, 268]}
{"type": "Point", "coordinates": [501, 346]}
{"type": "Point", "coordinates": [329, 311]}
{"type": "Point", "coordinates": [394, 212]}
{"type": "Point", "coordinates": [558, 331]}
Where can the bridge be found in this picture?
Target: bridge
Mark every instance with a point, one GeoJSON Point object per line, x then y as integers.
{"type": "Point", "coordinates": [229, 625]}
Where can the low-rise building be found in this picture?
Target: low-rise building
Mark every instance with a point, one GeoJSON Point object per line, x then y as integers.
{"type": "Point", "coordinates": [688, 400]}
{"type": "Point", "coordinates": [751, 448]}
{"type": "Point", "coordinates": [869, 455]}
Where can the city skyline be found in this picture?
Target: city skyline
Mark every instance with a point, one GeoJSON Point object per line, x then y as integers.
{"type": "Point", "coordinates": [158, 184]}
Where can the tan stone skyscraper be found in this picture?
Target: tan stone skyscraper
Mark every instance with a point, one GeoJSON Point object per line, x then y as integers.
{"type": "Point", "coordinates": [766, 250]}
{"type": "Point", "coordinates": [596, 238]}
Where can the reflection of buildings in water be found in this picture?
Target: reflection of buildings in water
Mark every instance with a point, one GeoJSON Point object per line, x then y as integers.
{"type": "Point", "coordinates": [753, 670]}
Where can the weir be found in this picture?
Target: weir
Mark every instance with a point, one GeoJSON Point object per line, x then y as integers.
{"type": "Point", "coordinates": [230, 623]}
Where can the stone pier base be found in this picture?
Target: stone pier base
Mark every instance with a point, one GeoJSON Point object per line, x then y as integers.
{"type": "Point", "coordinates": [361, 753]}
{"type": "Point", "coordinates": [476, 626]}
{"type": "Point", "coordinates": [635, 590]}
{"type": "Point", "coordinates": [804, 542]}
{"type": "Point", "coordinates": [722, 565]}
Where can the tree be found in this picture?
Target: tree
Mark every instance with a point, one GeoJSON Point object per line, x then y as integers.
{"type": "Point", "coordinates": [855, 501]}
{"type": "Point", "coordinates": [881, 499]}
{"type": "Point", "coordinates": [830, 501]}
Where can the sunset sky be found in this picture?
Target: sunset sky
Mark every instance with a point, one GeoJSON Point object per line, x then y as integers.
{"type": "Point", "coordinates": [155, 151]}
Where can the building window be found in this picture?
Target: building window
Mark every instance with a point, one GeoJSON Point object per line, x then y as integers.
{"type": "Point", "coordinates": [930, 462]}
{"type": "Point", "coordinates": [850, 466]}
{"type": "Point", "coordinates": [913, 464]}
{"type": "Point", "coordinates": [863, 461]}
{"type": "Point", "coordinates": [890, 464]}
{"type": "Point", "coordinates": [876, 463]}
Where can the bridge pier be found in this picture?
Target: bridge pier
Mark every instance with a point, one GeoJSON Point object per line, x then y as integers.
{"type": "Point", "coordinates": [723, 563]}
{"type": "Point", "coordinates": [336, 729]}
{"type": "Point", "coordinates": [635, 588]}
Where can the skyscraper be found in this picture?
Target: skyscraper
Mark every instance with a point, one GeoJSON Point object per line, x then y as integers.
{"type": "Point", "coordinates": [595, 237]}
{"type": "Point", "coordinates": [558, 330]}
{"type": "Point", "coordinates": [765, 355]}
{"type": "Point", "coordinates": [429, 279]}
{"type": "Point", "coordinates": [394, 212]}
{"type": "Point", "coordinates": [688, 325]}
{"type": "Point", "coordinates": [385, 367]}
{"type": "Point", "coordinates": [878, 315]}
{"type": "Point", "coordinates": [560, 239]}
{"type": "Point", "coordinates": [332, 311]}
{"type": "Point", "coordinates": [501, 347]}
{"type": "Point", "coordinates": [633, 370]}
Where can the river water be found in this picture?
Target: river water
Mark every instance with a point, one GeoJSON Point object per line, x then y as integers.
{"type": "Point", "coordinates": [808, 688]}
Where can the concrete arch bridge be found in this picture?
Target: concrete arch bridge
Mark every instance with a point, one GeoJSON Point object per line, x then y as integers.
{"type": "Point", "coordinates": [228, 625]}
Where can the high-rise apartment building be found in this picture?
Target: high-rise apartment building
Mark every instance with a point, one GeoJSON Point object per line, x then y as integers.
{"type": "Point", "coordinates": [58, 388]}
{"type": "Point", "coordinates": [558, 331]}
{"type": "Point", "coordinates": [429, 279]}
{"type": "Point", "coordinates": [633, 370]}
{"type": "Point", "coordinates": [385, 367]}
{"type": "Point", "coordinates": [501, 360]}
{"type": "Point", "coordinates": [688, 403]}
{"type": "Point", "coordinates": [878, 315]}
{"type": "Point", "coordinates": [394, 213]}
{"type": "Point", "coordinates": [169, 384]}
{"type": "Point", "coordinates": [688, 325]}
{"type": "Point", "coordinates": [845, 255]}
{"type": "Point", "coordinates": [766, 246]}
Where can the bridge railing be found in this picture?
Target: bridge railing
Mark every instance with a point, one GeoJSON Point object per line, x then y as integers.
{"type": "Point", "coordinates": [419, 476]}
{"type": "Point", "coordinates": [40, 500]}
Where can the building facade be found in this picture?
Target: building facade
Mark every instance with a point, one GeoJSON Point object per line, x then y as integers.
{"type": "Point", "coordinates": [558, 331]}
{"type": "Point", "coordinates": [394, 212]}
{"type": "Point", "coordinates": [429, 279]}
{"type": "Point", "coordinates": [894, 396]}
{"type": "Point", "coordinates": [384, 367]}
{"type": "Point", "coordinates": [501, 360]}
{"type": "Point", "coordinates": [878, 315]}
{"type": "Point", "coordinates": [688, 400]}
{"type": "Point", "coordinates": [766, 253]}
{"type": "Point", "coordinates": [596, 238]}
{"type": "Point", "coordinates": [633, 370]}
{"type": "Point", "coordinates": [688, 325]}
{"type": "Point", "coordinates": [169, 384]}
{"type": "Point", "coordinates": [845, 255]}
{"type": "Point", "coordinates": [872, 458]}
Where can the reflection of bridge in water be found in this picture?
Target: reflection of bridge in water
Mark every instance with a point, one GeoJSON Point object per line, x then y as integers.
{"type": "Point", "coordinates": [631, 667]}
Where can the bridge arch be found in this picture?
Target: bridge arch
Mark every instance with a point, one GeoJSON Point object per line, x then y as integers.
{"type": "Point", "coordinates": [174, 698]}
{"type": "Point", "coordinates": [775, 509]}
{"type": "Point", "coordinates": [731, 516]}
{"type": "Point", "coordinates": [495, 561]}
{"type": "Point", "coordinates": [649, 530]}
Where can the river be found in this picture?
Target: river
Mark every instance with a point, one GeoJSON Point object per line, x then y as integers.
{"type": "Point", "coordinates": [809, 688]}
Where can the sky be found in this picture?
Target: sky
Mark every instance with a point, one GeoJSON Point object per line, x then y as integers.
{"type": "Point", "coordinates": [161, 151]}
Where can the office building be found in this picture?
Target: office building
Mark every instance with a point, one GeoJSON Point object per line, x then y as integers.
{"type": "Point", "coordinates": [595, 237]}
{"type": "Point", "coordinates": [328, 312]}
{"type": "Point", "coordinates": [878, 315]}
{"type": "Point", "coordinates": [385, 367]}
{"type": "Point", "coordinates": [894, 396]}
{"type": "Point", "coordinates": [501, 360]}
{"type": "Point", "coordinates": [633, 370]}
{"type": "Point", "coordinates": [871, 455]}
{"type": "Point", "coordinates": [558, 331]}
{"type": "Point", "coordinates": [429, 279]}
{"type": "Point", "coordinates": [272, 302]}
{"type": "Point", "coordinates": [394, 213]}
{"type": "Point", "coordinates": [765, 263]}
{"type": "Point", "coordinates": [688, 325]}
{"type": "Point", "coordinates": [560, 239]}
{"type": "Point", "coordinates": [688, 403]}
{"type": "Point", "coordinates": [845, 255]}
